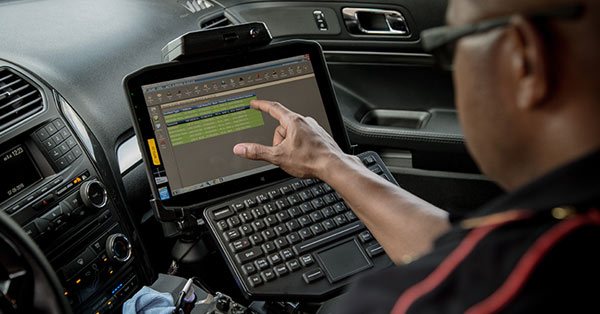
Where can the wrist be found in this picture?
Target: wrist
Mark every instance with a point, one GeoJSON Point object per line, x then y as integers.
{"type": "Point", "coordinates": [337, 164]}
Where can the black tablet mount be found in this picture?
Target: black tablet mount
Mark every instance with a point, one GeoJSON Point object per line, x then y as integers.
{"type": "Point", "coordinates": [217, 41]}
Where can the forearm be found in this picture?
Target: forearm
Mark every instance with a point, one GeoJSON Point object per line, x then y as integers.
{"type": "Point", "coordinates": [404, 224]}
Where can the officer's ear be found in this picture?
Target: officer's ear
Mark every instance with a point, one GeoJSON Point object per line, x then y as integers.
{"type": "Point", "coordinates": [528, 63]}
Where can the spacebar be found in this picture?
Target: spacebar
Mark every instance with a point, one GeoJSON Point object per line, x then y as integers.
{"type": "Point", "coordinates": [334, 235]}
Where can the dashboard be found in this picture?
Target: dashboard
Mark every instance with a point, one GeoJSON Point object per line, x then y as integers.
{"type": "Point", "coordinates": [72, 173]}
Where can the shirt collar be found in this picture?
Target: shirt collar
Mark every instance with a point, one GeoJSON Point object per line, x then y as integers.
{"type": "Point", "coordinates": [577, 184]}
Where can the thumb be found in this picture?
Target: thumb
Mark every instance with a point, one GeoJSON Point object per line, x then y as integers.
{"type": "Point", "coordinates": [254, 151]}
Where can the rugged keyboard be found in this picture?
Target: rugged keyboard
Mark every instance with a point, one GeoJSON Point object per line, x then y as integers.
{"type": "Point", "coordinates": [296, 239]}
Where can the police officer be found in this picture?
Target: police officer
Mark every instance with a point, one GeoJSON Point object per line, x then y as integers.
{"type": "Point", "coordinates": [526, 74]}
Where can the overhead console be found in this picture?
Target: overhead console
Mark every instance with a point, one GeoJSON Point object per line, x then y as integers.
{"type": "Point", "coordinates": [53, 189]}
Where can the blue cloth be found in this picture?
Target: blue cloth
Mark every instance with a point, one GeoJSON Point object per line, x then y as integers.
{"type": "Point", "coordinates": [149, 301]}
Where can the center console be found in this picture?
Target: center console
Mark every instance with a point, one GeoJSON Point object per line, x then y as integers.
{"type": "Point", "coordinates": [53, 189]}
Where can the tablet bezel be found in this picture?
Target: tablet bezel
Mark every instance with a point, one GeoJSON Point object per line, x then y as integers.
{"type": "Point", "coordinates": [175, 70]}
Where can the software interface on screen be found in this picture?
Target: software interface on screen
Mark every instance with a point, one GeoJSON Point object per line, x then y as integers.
{"type": "Point", "coordinates": [198, 120]}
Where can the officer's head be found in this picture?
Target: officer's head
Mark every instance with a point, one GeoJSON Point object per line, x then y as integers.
{"type": "Point", "coordinates": [527, 87]}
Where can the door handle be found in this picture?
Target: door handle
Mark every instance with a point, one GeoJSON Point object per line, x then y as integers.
{"type": "Point", "coordinates": [365, 21]}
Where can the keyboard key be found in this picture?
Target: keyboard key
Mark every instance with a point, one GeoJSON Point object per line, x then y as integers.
{"type": "Point", "coordinates": [293, 225]}
{"type": "Point", "coordinates": [309, 182]}
{"type": "Point", "coordinates": [258, 212]}
{"type": "Point", "coordinates": [328, 224]}
{"type": "Point", "coordinates": [317, 229]}
{"type": "Point", "coordinates": [294, 199]}
{"type": "Point", "coordinates": [286, 254]}
{"type": "Point", "coordinates": [330, 198]}
{"type": "Point", "coordinates": [328, 211]}
{"type": "Point", "coordinates": [233, 221]}
{"type": "Point", "coordinates": [255, 281]}
{"type": "Point", "coordinates": [351, 216]}
{"type": "Point", "coordinates": [329, 237]}
{"type": "Point", "coordinates": [283, 216]}
{"type": "Point", "coordinates": [374, 250]}
{"type": "Point", "coordinates": [281, 230]}
{"type": "Point", "coordinates": [317, 190]}
{"type": "Point", "coordinates": [368, 160]}
{"type": "Point", "coordinates": [248, 255]}
{"type": "Point", "coordinates": [246, 216]}
{"type": "Point", "coordinates": [256, 239]}
{"type": "Point", "coordinates": [271, 220]}
{"type": "Point", "coordinates": [222, 213]}
{"type": "Point", "coordinates": [305, 233]}
{"type": "Point", "coordinates": [238, 207]}
{"type": "Point", "coordinates": [365, 236]}
{"type": "Point", "coordinates": [316, 216]}
{"type": "Point", "coordinates": [340, 207]}
{"type": "Point", "coordinates": [246, 230]}
{"type": "Point", "coordinates": [231, 235]}
{"type": "Point", "coordinates": [326, 187]}
{"type": "Point", "coordinates": [340, 220]}
{"type": "Point", "coordinates": [297, 185]}
{"type": "Point", "coordinates": [258, 225]}
{"type": "Point", "coordinates": [312, 275]}
{"type": "Point", "coordinates": [239, 245]}
{"type": "Point", "coordinates": [306, 207]}
{"type": "Point", "coordinates": [248, 269]}
{"type": "Point", "coordinates": [261, 198]}
{"type": "Point", "coordinates": [286, 189]}
{"type": "Point", "coordinates": [275, 259]}
{"type": "Point", "coordinates": [304, 220]}
{"type": "Point", "coordinates": [268, 247]}
{"type": "Point", "coordinates": [273, 194]}
{"type": "Point", "coordinates": [305, 195]}
{"type": "Point", "coordinates": [306, 260]}
{"type": "Point", "coordinates": [376, 169]}
{"type": "Point", "coordinates": [280, 270]}
{"type": "Point", "coordinates": [222, 225]}
{"type": "Point", "coordinates": [261, 263]}
{"type": "Point", "coordinates": [317, 203]}
{"type": "Point", "coordinates": [269, 208]}
{"type": "Point", "coordinates": [282, 204]}
{"type": "Point", "coordinates": [293, 265]}
{"type": "Point", "coordinates": [295, 212]}
{"type": "Point", "coordinates": [267, 275]}
{"type": "Point", "coordinates": [293, 237]}
{"type": "Point", "coordinates": [268, 234]}
{"type": "Point", "coordinates": [280, 243]}
{"type": "Point", "coordinates": [250, 203]}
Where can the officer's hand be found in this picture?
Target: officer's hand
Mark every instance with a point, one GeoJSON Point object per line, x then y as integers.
{"type": "Point", "coordinates": [301, 146]}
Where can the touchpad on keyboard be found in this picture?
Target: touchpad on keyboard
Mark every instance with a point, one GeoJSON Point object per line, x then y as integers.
{"type": "Point", "coordinates": [343, 260]}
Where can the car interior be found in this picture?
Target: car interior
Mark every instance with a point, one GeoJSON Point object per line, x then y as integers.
{"type": "Point", "coordinates": [84, 223]}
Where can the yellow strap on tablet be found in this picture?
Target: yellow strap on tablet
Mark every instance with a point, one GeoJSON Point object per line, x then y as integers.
{"type": "Point", "coordinates": [154, 152]}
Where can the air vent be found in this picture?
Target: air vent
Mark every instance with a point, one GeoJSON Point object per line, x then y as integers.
{"type": "Point", "coordinates": [219, 21]}
{"type": "Point", "coordinates": [18, 98]}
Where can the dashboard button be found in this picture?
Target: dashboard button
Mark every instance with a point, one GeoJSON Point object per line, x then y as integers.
{"type": "Point", "coordinates": [31, 229]}
{"type": "Point", "coordinates": [58, 123]}
{"type": "Point", "coordinates": [62, 163]}
{"type": "Point", "coordinates": [48, 143]}
{"type": "Point", "coordinates": [42, 134]}
{"type": "Point", "coordinates": [55, 153]}
{"type": "Point", "coordinates": [51, 129]}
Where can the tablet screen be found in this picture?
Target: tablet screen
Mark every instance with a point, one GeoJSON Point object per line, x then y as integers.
{"type": "Point", "coordinates": [197, 120]}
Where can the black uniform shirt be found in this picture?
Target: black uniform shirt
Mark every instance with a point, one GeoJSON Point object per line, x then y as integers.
{"type": "Point", "coordinates": [535, 258]}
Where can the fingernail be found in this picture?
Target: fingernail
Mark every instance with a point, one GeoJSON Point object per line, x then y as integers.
{"type": "Point", "coordinates": [240, 150]}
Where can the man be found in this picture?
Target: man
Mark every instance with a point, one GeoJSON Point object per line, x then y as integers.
{"type": "Point", "coordinates": [528, 98]}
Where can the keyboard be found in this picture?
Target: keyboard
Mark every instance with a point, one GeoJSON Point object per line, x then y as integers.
{"type": "Point", "coordinates": [296, 239]}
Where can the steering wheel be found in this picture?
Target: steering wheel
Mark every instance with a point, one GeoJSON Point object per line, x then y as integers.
{"type": "Point", "coordinates": [28, 284]}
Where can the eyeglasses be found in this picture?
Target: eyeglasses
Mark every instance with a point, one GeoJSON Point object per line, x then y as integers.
{"type": "Point", "coordinates": [441, 41]}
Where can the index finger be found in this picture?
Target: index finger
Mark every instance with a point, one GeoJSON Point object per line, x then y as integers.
{"type": "Point", "coordinates": [274, 109]}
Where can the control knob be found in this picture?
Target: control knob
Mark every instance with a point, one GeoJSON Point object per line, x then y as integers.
{"type": "Point", "coordinates": [118, 247]}
{"type": "Point", "coordinates": [93, 194]}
